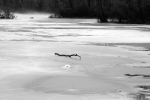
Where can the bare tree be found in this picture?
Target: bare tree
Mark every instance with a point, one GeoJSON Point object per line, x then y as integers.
{"type": "Point", "coordinates": [101, 14]}
{"type": "Point", "coordinates": [140, 10]}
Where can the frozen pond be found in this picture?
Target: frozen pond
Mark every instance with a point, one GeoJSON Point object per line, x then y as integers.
{"type": "Point", "coordinates": [114, 59]}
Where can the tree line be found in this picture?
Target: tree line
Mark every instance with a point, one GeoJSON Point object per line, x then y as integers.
{"type": "Point", "coordinates": [122, 11]}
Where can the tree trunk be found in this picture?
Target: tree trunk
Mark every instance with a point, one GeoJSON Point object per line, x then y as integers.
{"type": "Point", "coordinates": [71, 4]}
{"type": "Point", "coordinates": [89, 3]}
{"type": "Point", "coordinates": [86, 7]}
{"type": "Point", "coordinates": [101, 14]}
{"type": "Point", "coordinates": [140, 11]}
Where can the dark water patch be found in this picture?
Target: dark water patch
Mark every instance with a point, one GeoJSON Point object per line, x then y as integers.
{"type": "Point", "coordinates": [9, 30]}
{"type": "Point", "coordinates": [109, 24]}
{"type": "Point", "coordinates": [143, 93]}
{"type": "Point", "coordinates": [73, 35]}
{"type": "Point", "coordinates": [143, 50]}
{"type": "Point", "coordinates": [67, 35]}
{"type": "Point", "coordinates": [88, 27]}
{"type": "Point", "coordinates": [101, 44]}
{"type": "Point", "coordinates": [146, 29]}
{"type": "Point", "coordinates": [144, 87]}
{"type": "Point", "coordinates": [134, 75]}
{"type": "Point", "coordinates": [44, 36]}
{"type": "Point", "coordinates": [138, 75]}
{"type": "Point", "coordinates": [123, 28]}
{"type": "Point", "coordinates": [141, 66]}
{"type": "Point", "coordinates": [56, 27]}
{"type": "Point", "coordinates": [143, 62]}
{"type": "Point", "coordinates": [65, 20]}
{"type": "Point", "coordinates": [2, 29]}
{"type": "Point", "coordinates": [146, 46]}
{"type": "Point", "coordinates": [67, 41]}
{"type": "Point", "coordinates": [143, 28]}
{"type": "Point", "coordinates": [35, 28]}
{"type": "Point", "coordinates": [119, 26]}
{"type": "Point", "coordinates": [139, 96]}
{"type": "Point", "coordinates": [19, 30]}
{"type": "Point", "coordinates": [34, 40]}
{"type": "Point", "coordinates": [99, 24]}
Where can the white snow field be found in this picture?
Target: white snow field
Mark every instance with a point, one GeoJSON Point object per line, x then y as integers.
{"type": "Point", "coordinates": [114, 61]}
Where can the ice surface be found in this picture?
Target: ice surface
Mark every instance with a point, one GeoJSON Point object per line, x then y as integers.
{"type": "Point", "coordinates": [29, 70]}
